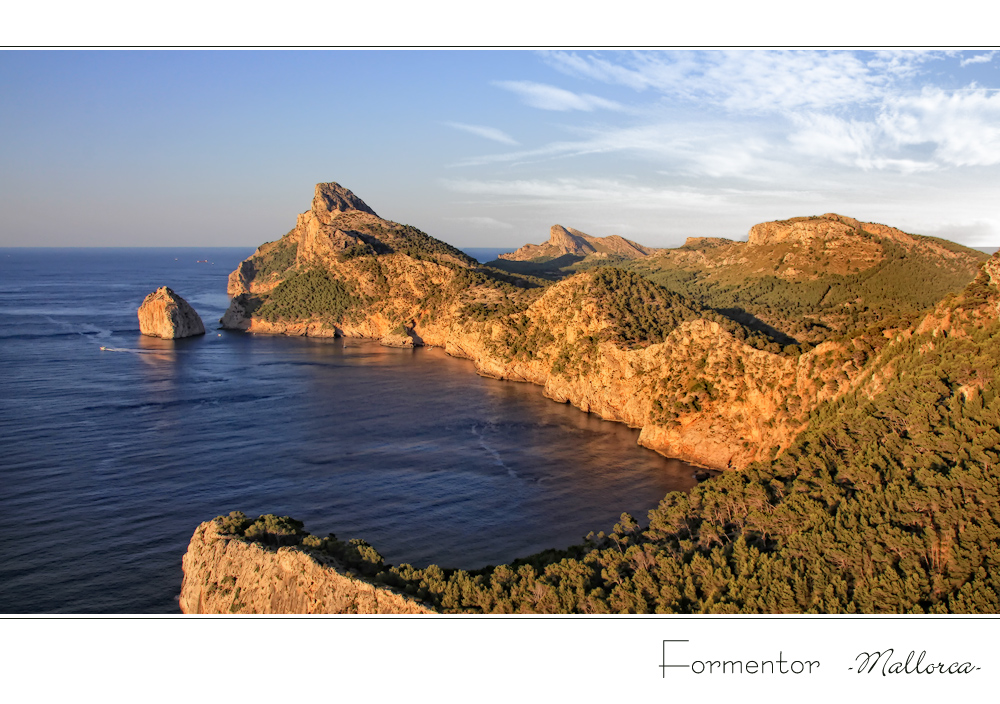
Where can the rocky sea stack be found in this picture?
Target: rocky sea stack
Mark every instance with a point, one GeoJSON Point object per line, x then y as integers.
{"type": "Point", "coordinates": [165, 314]}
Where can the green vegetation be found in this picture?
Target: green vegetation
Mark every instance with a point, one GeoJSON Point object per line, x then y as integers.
{"type": "Point", "coordinates": [360, 249]}
{"type": "Point", "coordinates": [355, 554]}
{"type": "Point", "coordinates": [277, 531]}
{"type": "Point", "coordinates": [548, 268]}
{"type": "Point", "coordinates": [414, 243]}
{"type": "Point", "coordinates": [641, 314]}
{"type": "Point", "coordinates": [308, 293]}
{"type": "Point", "coordinates": [277, 259]}
{"type": "Point", "coordinates": [268, 529]}
{"type": "Point", "coordinates": [893, 293]}
{"type": "Point", "coordinates": [645, 313]}
{"type": "Point", "coordinates": [521, 339]}
{"type": "Point", "coordinates": [884, 505]}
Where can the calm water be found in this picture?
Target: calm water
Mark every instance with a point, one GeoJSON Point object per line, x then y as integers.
{"type": "Point", "coordinates": [111, 458]}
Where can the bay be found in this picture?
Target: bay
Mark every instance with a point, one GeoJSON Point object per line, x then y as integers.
{"type": "Point", "coordinates": [110, 458]}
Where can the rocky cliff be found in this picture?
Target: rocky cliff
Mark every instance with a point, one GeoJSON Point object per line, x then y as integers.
{"type": "Point", "coordinates": [701, 386]}
{"type": "Point", "coordinates": [165, 314]}
{"type": "Point", "coordinates": [228, 574]}
{"type": "Point", "coordinates": [566, 240]}
{"type": "Point", "coordinates": [702, 392]}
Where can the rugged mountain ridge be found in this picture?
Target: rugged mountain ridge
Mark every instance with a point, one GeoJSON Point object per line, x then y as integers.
{"type": "Point", "coordinates": [702, 386]}
{"type": "Point", "coordinates": [817, 278]}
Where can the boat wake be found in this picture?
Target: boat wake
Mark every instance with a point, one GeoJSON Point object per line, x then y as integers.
{"type": "Point", "coordinates": [132, 350]}
{"type": "Point", "coordinates": [493, 453]}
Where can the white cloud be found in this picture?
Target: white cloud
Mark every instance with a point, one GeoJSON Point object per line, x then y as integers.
{"type": "Point", "coordinates": [593, 191]}
{"type": "Point", "coordinates": [912, 132]}
{"type": "Point", "coordinates": [483, 222]}
{"type": "Point", "coordinates": [834, 138]}
{"type": "Point", "coordinates": [485, 132]}
{"type": "Point", "coordinates": [962, 126]}
{"type": "Point", "coordinates": [712, 149]}
{"type": "Point", "coordinates": [973, 233]}
{"type": "Point", "coordinates": [754, 81]}
{"type": "Point", "coordinates": [978, 59]}
{"type": "Point", "coordinates": [596, 68]}
{"type": "Point", "coordinates": [769, 81]}
{"type": "Point", "coordinates": [546, 97]}
{"type": "Point", "coordinates": [649, 139]}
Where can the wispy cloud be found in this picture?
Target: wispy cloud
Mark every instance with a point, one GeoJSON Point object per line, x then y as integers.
{"type": "Point", "coordinates": [963, 127]}
{"type": "Point", "coordinates": [546, 97]}
{"type": "Point", "coordinates": [830, 137]}
{"type": "Point", "coordinates": [912, 133]}
{"type": "Point", "coordinates": [599, 69]}
{"type": "Point", "coordinates": [485, 223]}
{"type": "Point", "coordinates": [978, 59]}
{"type": "Point", "coordinates": [755, 81]}
{"type": "Point", "coordinates": [710, 149]}
{"type": "Point", "coordinates": [491, 133]}
{"type": "Point", "coordinates": [648, 139]}
{"type": "Point", "coordinates": [612, 192]}
{"type": "Point", "coordinates": [858, 110]}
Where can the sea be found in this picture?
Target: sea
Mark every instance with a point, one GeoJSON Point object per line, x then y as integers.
{"type": "Point", "coordinates": [115, 446]}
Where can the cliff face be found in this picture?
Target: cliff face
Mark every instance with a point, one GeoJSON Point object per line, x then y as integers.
{"type": "Point", "coordinates": [700, 386]}
{"type": "Point", "coordinates": [701, 395]}
{"type": "Point", "coordinates": [224, 574]}
{"type": "Point", "coordinates": [566, 240]}
{"type": "Point", "coordinates": [165, 314]}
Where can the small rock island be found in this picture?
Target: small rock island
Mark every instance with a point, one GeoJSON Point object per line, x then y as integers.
{"type": "Point", "coordinates": [165, 314]}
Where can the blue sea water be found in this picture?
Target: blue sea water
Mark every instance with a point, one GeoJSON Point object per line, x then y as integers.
{"type": "Point", "coordinates": [486, 254]}
{"type": "Point", "coordinates": [110, 458]}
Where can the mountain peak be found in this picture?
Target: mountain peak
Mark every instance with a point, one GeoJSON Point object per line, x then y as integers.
{"type": "Point", "coordinates": [566, 240]}
{"type": "Point", "coordinates": [332, 197]}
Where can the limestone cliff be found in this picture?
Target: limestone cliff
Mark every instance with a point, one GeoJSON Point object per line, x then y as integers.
{"type": "Point", "coordinates": [701, 386]}
{"type": "Point", "coordinates": [226, 574]}
{"type": "Point", "coordinates": [566, 240]}
{"type": "Point", "coordinates": [701, 394]}
{"type": "Point", "coordinates": [165, 314]}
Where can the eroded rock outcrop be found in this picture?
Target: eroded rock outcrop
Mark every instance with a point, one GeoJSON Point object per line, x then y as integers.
{"type": "Point", "coordinates": [226, 574]}
{"type": "Point", "coordinates": [165, 314]}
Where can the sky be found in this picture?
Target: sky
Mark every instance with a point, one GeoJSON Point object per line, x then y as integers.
{"type": "Point", "coordinates": [491, 148]}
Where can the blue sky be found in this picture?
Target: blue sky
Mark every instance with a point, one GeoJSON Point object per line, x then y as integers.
{"type": "Point", "coordinates": [490, 148]}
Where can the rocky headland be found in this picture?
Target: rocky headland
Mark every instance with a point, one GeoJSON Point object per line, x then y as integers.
{"type": "Point", "coordinates": [165, 314]}
{"type": "Point", "coordinates": [226, 573]}
{"type": "Point", "coordinates": [715, 389]}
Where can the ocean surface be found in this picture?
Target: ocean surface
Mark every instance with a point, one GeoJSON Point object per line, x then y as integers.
{"type": "Point", "coordinates": [110, 458]}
